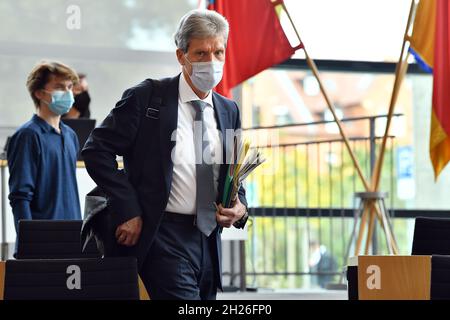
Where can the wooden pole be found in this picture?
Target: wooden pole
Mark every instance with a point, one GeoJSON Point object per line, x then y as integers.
{"type": "Point", "coordinates": [379, 164]}
{"type": "Point", "coordinates": [362, 228]}
{"type": "Point", "coordinates": [315, 71]}
{"type": "Point", "coordinates": [400, 71]}
{"type": "Point", "coordinates": [391, 243]}
{"type": "Point", "coordinates": [371, 228]}
{"type": "Point", "coordinates": [390, 238]}
{"type": "Point", "coordinates": [2, 279]}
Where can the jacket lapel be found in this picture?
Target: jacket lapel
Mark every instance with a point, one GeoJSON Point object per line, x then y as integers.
{"type": "Point", "coordinates": [223, 123]}
{"type": "Point", "coordinates": [168, 125]}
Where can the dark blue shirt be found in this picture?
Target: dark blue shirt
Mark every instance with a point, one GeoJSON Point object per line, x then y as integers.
{"type": "Point", "coordinates": [42, 167]}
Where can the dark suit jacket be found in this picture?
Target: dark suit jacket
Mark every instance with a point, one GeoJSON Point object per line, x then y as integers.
{"type": "Point", "coordinates": [143, 187]}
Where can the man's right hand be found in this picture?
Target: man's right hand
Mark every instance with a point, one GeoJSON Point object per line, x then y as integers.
{"type": "Point", "coordinates": [127, 234]}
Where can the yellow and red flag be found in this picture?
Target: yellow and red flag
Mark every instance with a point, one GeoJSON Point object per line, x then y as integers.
{"type": "Point", "coordinates": [430, 44]}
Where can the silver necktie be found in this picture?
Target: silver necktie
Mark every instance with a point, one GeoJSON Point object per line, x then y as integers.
{"type": "Point", "coordinates": [206, 217]}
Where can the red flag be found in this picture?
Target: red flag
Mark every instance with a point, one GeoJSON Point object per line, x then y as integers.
{"type": "Point", "coordinates": [440, 129]}
{"type": "Point", "coordinates": [256, 40]}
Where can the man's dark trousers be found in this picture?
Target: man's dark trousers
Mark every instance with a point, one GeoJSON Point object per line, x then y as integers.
{"type": "Point", "coordinates": [179, 264]}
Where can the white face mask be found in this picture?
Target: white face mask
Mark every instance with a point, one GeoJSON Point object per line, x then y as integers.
{"type": "Point", "coordinates": [206, 75]}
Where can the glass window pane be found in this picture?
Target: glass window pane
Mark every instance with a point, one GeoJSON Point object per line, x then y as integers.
{"type": "Point", "coordinates": [278, 97]}
{"type": "Point", "coordinates": [136, 24]}
{"type": "Point", "coordinates": [350, 29]}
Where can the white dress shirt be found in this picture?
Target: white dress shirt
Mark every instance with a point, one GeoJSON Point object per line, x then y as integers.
{"type": "Point", "coordinates": [182, 198]}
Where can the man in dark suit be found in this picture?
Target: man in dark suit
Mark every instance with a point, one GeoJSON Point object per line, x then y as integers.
{"type": "Point", "coordinates": [164, 199]}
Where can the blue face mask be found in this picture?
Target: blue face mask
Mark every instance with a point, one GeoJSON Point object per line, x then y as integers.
{"type": "Point", "coordinates": [206, 75]}
{"type": "Point", "coordinates": [62, 101]}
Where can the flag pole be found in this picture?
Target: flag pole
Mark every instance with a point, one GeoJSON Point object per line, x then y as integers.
{"type": "Point", "coordinates": [362, 227]}
{"type": "Point", "coordinates": [370, 228]}
{"type": "Point", "coordinates": [381, 217]}
{"type": "Point", "coordinates": [401, 68]}
{"type": "Point", "coordinates": [315, 71]}
{"type": "Point", "coordinates": [331, 107]}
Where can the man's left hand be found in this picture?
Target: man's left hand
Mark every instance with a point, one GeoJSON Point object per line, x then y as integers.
{"type": "Point", "coordinates": [227, 216]}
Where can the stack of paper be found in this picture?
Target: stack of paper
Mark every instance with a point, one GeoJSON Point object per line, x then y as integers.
{"type": "Point", "coordinates": [243, 161]}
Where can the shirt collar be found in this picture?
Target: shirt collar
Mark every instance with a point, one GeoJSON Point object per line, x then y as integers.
{"type": "Point", "coordinates": [187, 94]}
{"type": "Point", "coordinates": [45, 127]}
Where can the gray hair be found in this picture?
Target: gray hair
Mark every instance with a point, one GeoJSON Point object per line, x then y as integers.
{"type": "Point", "coordinates": [200, 24]}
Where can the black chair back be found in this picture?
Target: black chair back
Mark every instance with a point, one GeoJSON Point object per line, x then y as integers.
{"type": "Point", "coordinates": [431, 236]}
{"type": "Point", "coordinates": [72, 279]}
{"type": "Point", "coordinates": [52, 239]}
